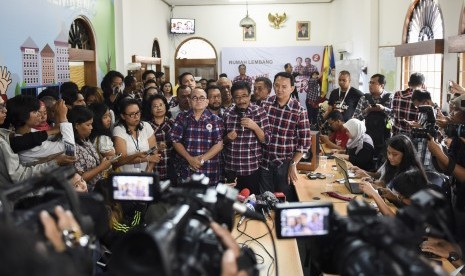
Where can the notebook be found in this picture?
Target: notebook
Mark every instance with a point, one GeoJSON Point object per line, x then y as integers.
{"type": "Point", "coordinates": [351, 185]}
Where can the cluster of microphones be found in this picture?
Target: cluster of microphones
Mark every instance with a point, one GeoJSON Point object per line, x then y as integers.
{"type": "Point", "coordinates": [261, 204]}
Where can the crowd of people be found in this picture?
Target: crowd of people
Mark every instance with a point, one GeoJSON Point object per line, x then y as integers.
{"type": "Point", "coordinates": [235, 132]}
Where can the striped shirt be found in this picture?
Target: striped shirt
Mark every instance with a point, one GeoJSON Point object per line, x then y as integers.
{"type": "Point", "coordinates": [243, 155]}
{"type": "Point", "coordinates": [198, 137]}
{"type": "Point", "coordinates": [290, 131]}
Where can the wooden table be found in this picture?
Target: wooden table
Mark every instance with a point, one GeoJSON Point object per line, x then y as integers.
{"type": "Point", "coordinates": [286, 249]}
{"type": "Point", "coordinates": [311, 191]}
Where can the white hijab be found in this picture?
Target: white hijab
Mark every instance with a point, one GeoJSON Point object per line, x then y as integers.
{"type": "Point", "coordinates": [357, 130]}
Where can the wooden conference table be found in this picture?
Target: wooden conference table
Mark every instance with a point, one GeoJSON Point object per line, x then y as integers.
{"type": "Point", "coordinates": [311, 191]}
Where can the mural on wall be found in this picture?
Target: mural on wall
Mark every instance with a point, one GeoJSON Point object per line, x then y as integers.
{"type": "Point", "coordinates": [37, 53]}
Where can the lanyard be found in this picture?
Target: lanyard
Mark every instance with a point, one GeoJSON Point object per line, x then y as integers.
{"type": "Point", "coordinates": [347, 92]}
{"type": "Point", "coordinates": [136, 142]}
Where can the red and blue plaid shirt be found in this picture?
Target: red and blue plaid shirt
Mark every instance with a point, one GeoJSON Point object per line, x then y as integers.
{"type": "Point", "coordinates": [245, 79]}
{"type": "Point", "coordinates": [402, 108]}
{"type": "Point", "coordinates": [198, 137]}
{"type": "Point", "coordinates": [243, 155]}
{"type": "Point", "coordinates": [164, 146]}
{"type": "Point", "coordinates": [290, 131]}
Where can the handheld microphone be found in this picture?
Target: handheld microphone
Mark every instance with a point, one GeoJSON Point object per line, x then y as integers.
{"type": "Point", "coordinates": [243, 195]}
{"type": "Point", "coordinates": [251, 209]}
{"type": "Point", "coordinates": [241, 113]}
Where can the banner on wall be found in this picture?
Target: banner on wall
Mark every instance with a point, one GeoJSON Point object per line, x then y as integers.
{"type": "Point", "coordinates": [268, 61]}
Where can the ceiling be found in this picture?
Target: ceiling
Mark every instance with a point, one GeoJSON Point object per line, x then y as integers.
{"type": "Point", "coordinates": [238, 2]}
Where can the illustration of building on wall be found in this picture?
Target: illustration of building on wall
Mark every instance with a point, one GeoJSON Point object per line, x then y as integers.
{"type": "Point", "coordinates": [62, 57]}
{"type": "Point", "coordinates": [30, 62]}
{"type": "Point", "coordinates": [48, 65]}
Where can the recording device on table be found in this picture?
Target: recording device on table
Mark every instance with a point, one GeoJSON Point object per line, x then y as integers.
{"type": "Point", "coordinates": [430, 127]}
{"type": "Point", "coordinates": [310, 159]}
{"type": "Point", "coordinates": [263, 203]}
{"type": "Point", "coordinates": [364, 243]}
{"type": "Point", "coordinates": [182, 242]}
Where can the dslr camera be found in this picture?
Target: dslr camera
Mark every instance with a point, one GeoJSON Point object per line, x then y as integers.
{"type": "Point", "coordinates": [430, 124]}
{"type": "Point", "coordinates": [364, 243]}
{"type": "Point", "coordinates": [455, 130]}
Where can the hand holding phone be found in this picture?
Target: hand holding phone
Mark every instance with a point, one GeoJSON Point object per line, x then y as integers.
{"type": "Point", "coordinates": [115, 158]}
{"type": "Point", "coordinates": [152, 150]}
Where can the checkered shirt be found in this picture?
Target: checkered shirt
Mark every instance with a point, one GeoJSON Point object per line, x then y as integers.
{"type": "Point", "coordinates": [313, 93]}
{"type": "Point", "coordinates": [402, 108]}
{"type": "Point", "coordinates": [363, 103]}
{"type": "Point", "coordinates": [244, 154]}
{"type": "Point", "coordinates": [162, 136]}
{"type": "Point", "coordinates": [308, 70]}
{"type": "Point", "coordinates": [246, 79]}
{"type": "Point", "coordinates": [198, 137]}
{"type": "Point", "coordinates": [290, 131]}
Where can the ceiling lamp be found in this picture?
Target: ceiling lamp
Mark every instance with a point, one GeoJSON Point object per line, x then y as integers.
{"type": "Point", "coordinates": [247, 21]}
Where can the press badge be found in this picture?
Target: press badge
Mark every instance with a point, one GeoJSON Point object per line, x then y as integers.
{"type": "Point", "coordinates": [209, 127]}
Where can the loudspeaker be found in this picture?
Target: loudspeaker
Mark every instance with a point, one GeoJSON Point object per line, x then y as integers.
{"type": "Point", "coordinates": [310, 160]}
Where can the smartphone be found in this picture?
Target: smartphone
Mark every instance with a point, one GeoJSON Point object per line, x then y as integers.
{"type": "Point", "coordinates": [70, 149]}
{"type": "Point", "coordinates": [152, 150]}
{"type": "Point", "coordinates": [116, 157]}
{"type": "Point", "coordinates": [449, 87]}
{"type": "Point", "coordinates": [302, 219]}
{"type": "Point", "coordinates": [136, 187]}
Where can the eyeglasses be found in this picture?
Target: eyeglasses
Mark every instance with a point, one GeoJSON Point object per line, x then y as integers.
{"type": "Point", "coordinates": [243, 97]}
{"type": "Point", "coordinates": [134, 115]}
{"type": "Point", "coordinates": [198, 99]}
{"type": "Point", "coordinates": [158, 106]}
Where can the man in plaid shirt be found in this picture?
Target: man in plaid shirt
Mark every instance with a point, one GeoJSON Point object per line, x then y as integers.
{"type": "Point", "coordinates": [242, 76]}
{"type": "Point", "coordinates": [402, 107]}
{"type": "Point", "coordinates": [197, 138]}
{"type": "Point", "coordinates": [247, 129]}
{"type": "Point", "coordinates": [290, 138]}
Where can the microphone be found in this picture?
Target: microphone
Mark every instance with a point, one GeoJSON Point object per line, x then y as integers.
{"type": "Point", "coordinates": [243, 195]}
{"type": "Point", "coordinates": [248, 212]}
{"type": "Point", "coordinates": [241, 112]}
{"type": "Point", "coordinates": [251, 209]}
{"type": "Point", "coordinates": [270, 199]}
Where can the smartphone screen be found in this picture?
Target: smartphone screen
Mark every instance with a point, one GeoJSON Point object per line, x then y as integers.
{"type": "Point", "coordinates": [69, 149]}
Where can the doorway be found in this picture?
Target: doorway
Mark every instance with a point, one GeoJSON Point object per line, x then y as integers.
{"type": "Point", "coordinates": [197, 56]}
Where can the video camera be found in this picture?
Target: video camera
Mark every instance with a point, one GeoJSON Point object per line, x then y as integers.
{"type": "Point", "coordinates": [430, 127]}
{"type": "Point", "coordinates": [182, 242]}
{"type": "Point", "coordinates": [364, 243]}
{"type": "Point", "coordinates": [21, 203]}
{"type": "Point", "coordinates": [455, 130]}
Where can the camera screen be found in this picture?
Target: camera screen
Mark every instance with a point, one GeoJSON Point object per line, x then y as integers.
{"type": "Point", "coordinates": [133, 187]}
{"type": "Point", "coordinates": [304, 222]}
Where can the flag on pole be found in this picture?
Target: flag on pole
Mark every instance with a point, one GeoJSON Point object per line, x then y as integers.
{"type": "Point", "coordinates": [325, 71]}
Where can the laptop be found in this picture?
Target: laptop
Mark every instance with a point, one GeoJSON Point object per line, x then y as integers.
{"type": "Point", "coordinates": [351, 185]}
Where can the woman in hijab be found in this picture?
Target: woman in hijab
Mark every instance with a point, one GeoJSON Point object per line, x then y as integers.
{"type": "Point", "coordinates": [359, 147]}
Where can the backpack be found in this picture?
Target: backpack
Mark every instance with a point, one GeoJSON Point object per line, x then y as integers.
{"type": "Point", "coordinates": [376, 123]}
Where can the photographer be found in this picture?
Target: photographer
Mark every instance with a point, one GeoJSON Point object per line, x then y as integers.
{"type": "Point", "coordinates": [421, 98]}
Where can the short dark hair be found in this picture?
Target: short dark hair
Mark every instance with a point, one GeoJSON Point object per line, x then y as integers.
{"type": "Point", "coordinates": [239, 67]}
{"type": "Point", "coordinates": [203, 79]}
{"type": "Point", "coordinates": [240, 85]}
{"type": "Point", "coordinates": [144, 75]}
{"type": "Point", "coordinates": [315, 72]}
{"type": "Point", "coordinates": [69, 91]}
{"type": "Point", "coordinates": [150, 81]}
{"type": "Point", "coordinates": [345, 72]}
{"type": "Point", "coordinates": [335, 115]}
{"type": "Point", "coordinates": [19, 108]}
{"type": "Point", "coordinates": [182, 76]}
{"type": "Point", "coordinates": [285, 75]}
{"type": "Point", "coordinates": [184, 87]}
{"type": "Point", "coordinates": [416, 79]}
{"type": "Point", "coordinates": [266, 81]}
{"type": "Point", "coordinates": [223, 75]}
{"type": "Point", "coordinates": [129, 80]}
{"type": "Point", "coordinates": [421, 95]}
{"type": "Point", "coordinates": [409, 182]}
{"type": "Point", "coordinates": [381, 78]}
{"type": "Point", "coordinates": [287, 65]}
{"type": "Point", "coordinates": [159, 74]}
{"type": "Point", "coordinates": [212, 87]}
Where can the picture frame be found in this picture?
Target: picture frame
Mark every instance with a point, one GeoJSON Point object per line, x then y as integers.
{"type": "Point", "coordinates": [302, 30]}
{"type": "Point", "coordinates": [249, 33]}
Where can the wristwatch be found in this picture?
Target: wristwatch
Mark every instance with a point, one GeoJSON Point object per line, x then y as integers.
{"type": "Point", "coordinates": [453, 256]}
{"type": "Point", "coordinates": [202, 161]}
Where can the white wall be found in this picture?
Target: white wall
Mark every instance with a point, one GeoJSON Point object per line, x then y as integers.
{"type": "Point", "coordinates": [138, 23]}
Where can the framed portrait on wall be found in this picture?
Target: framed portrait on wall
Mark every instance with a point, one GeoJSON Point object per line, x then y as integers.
{"type": "Point", "coordinates": [302, 31]}
{"type": "Point", "coordinates": [248, 33]}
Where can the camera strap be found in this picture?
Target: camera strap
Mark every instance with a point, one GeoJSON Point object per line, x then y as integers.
{"type": "Point", "coordinates": [347, 92]}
